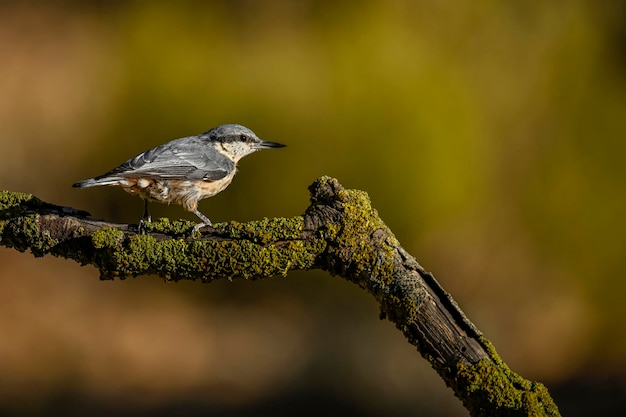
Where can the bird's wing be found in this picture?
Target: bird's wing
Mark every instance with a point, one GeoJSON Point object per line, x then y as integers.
{"type": "Point", "coordinates": [186, 158]}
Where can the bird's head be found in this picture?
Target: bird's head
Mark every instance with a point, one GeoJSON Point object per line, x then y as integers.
{"type": "Point", "coordinates": [237, 141]}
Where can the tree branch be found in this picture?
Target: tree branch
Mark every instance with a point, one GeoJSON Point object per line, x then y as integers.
{"type": "Point", "coordinates": [339, 232]}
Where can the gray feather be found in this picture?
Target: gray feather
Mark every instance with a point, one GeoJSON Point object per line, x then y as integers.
{"type": "Point", "coordinates": [93, 182]}
{"type": "Point", "coordinates": [192, 158]}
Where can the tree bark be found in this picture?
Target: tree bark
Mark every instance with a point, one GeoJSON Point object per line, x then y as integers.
{"type": "Point", "coordinates": [339, 232]}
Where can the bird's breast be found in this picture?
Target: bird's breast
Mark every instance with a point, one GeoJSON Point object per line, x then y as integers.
{"type": "Point", "coordinates": [177, 191]}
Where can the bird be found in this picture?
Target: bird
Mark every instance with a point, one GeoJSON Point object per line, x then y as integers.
{"type": "Point", "coordinates": [184, 171]}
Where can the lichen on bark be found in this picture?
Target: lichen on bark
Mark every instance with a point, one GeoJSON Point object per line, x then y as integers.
{"type": "Point", "coordinates": [340, 232]}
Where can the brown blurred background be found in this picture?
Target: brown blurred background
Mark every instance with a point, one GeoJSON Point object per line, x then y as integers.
{"type": "Point", "coordinates": [489, 135]}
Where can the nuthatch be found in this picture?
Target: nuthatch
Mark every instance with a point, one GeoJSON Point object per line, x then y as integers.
{"type": "Point", "coordinates": [184, 170]}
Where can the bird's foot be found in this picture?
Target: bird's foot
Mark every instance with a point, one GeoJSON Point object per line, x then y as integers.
{"type": "Point", "coordinates": [205, 221]}
{"type": "Point", "coordinates": [199, 226]}
{"type": "Point", "coordinates": [141, 227]}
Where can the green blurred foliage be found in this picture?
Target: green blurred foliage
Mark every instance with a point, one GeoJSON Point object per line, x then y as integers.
{"type": "Point", "coordinates": [489, 135]}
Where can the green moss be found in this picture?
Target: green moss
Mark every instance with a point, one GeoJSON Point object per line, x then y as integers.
{"type": "Point", "coordinates": [246, 259]}
{"type": "Point", "coordinates": [491, 350]}
{"type": "Point", "coordinates": [492, 389]}
{"type": "Point", "coordinates": [362, 249]}
{"type": "Point", "coordinates": [13, 204]}
{"type": "Point", "coordinates": [401, 310]}
{"type": "Point", "coordinates": [266, 230]}
{"type": "Point", "coordinates": [107, 237]}
{"type": "Point", "coordinates": [9, 199]}
{"type": "Point", "coordinates": [23, 233]}
{"type": "Point", "coordinates": [252, 252]}
{"type": "Point", "coordinates": [169, 227]}
{"type": "Point", "coordinates": [80, 231]}
{"type": "Point", "coordinates": [355, 243]}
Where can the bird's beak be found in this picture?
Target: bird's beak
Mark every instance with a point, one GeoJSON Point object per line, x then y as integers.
{"type": "Point", "coordinates": [265, 144]}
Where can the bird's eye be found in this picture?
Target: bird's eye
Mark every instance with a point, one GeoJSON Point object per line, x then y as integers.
{"type": "Point", "coordinates": [244, 138]}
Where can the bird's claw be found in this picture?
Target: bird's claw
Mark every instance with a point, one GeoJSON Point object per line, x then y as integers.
{"type": "Point", "coordinates": [141, 227]}
{"type": "Point", "coordinates": [199, 226]}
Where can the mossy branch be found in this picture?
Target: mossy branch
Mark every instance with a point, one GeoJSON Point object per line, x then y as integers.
{"type": "Point", "coordinates": [339, 232]}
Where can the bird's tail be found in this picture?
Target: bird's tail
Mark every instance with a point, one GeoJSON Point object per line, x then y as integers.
{"type": "Point", "coordinates": [98, 181]}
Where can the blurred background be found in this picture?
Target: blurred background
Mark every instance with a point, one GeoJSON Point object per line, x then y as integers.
{"type": "Point", "coordinates": [490, 136]}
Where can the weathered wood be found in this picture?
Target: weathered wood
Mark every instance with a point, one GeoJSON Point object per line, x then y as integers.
{"type": "Point", "coordinates": [339, 232]}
